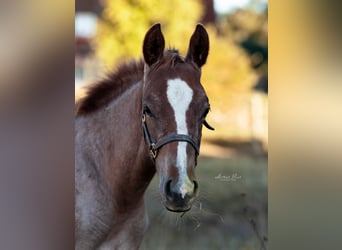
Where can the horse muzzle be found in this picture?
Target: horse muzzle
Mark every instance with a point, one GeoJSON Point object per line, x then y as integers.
{"type": "Point", "coordinates": [180, 197]}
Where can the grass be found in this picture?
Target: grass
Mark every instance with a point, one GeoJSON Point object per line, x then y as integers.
{"type": "Point", "coordinates": [228, 214]}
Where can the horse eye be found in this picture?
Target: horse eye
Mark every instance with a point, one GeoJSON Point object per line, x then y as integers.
{"type": "Point", "coordinates": [147, 111]}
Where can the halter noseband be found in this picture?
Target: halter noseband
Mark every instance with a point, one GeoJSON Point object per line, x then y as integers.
{"type": "Point", "coordinates": [165, 140]}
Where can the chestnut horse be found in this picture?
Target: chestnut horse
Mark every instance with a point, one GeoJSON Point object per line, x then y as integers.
{"type": "Point", "coordinates": [144, 118]}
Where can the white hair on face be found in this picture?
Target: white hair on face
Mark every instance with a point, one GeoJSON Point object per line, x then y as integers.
{"type": "Point", "coordinates": [179, 95]}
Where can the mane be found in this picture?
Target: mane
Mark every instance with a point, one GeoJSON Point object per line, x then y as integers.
{"type": "Point", "coordinates": [117, 82]}
{"type": "Point", "coordinates": [171, 58]}
{"type": "Point", "coordinates": [114, 84]}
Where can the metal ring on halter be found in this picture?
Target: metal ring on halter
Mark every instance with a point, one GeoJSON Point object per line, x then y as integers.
{"type": "Point", "coordinates": [153, 151]}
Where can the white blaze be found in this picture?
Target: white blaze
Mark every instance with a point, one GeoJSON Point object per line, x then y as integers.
{"type": "Point", "coordinates": [179, 95]}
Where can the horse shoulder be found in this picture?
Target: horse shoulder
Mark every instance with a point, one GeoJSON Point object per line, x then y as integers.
{"type": "Point", "coordinates": [130, 233]}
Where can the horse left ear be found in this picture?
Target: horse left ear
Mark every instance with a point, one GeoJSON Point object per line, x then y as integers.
{"type": "Point", "coordinates": [154, 44]}
{"type": "Point", "coordinates": [199, 46]}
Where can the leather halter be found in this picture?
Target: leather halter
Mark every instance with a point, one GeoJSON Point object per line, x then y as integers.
{"type": "Point", "coordinates": [155, 146]}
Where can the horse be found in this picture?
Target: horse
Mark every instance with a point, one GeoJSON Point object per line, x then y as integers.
{"type": "Point", "coordinates": [144, 118]}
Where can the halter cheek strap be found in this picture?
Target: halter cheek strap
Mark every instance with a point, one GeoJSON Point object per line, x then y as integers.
{"type": "Point", "coordinates": [154, 147]}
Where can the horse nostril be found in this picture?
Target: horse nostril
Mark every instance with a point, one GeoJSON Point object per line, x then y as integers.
{"type": "Point", "coordinates": [195, 187]}
{"type": "Point", "coordinates": [168, 189]}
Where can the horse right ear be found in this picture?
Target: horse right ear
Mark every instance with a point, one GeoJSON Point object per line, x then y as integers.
{"type": "Point", "coordinates": [199, 46]}
{"type": "Point", "coordinates": [154, 44]}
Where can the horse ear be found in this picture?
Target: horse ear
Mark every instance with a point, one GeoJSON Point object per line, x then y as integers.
{"type": "Point", "coordinates": [154, 44]}
{"type": "Point", "coordinates": [199, 46]}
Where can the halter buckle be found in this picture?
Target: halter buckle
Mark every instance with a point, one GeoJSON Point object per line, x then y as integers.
{"type": "Point", "coordinates": [153, 151]}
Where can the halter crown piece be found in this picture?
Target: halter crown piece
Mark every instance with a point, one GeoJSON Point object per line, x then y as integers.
{"type": "Point", "coordinates": [155, 146]}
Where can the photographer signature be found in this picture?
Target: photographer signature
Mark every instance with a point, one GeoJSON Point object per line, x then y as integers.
{"type": "Point", "coordinates": [232, 177]}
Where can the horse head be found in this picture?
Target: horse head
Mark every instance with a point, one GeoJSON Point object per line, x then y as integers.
{"type": "Point", "coordinates": [174, 108]}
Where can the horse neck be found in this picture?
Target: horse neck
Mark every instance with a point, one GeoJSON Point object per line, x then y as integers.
{"type": "Point", "coordinates": [128, 169]}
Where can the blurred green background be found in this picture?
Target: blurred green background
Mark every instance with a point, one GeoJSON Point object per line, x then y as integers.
{"type": "Point", "coordinates": [231, 212]}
